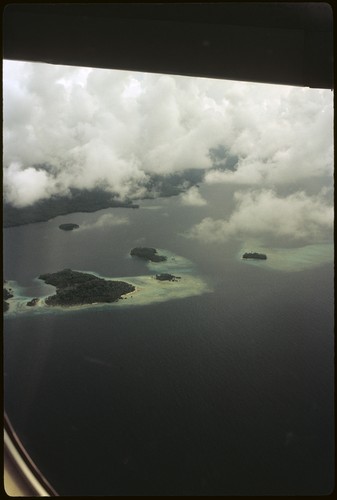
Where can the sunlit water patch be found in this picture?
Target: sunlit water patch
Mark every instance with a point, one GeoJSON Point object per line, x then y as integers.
{"type": "Point", "coordinates": [289, 259]}
{"type": "Point", "coordinates": [148, 289]}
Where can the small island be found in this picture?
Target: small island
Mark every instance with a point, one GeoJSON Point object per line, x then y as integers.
{"type": "Point", "coordinates": [6, 295]}
{"type": "Point", "coordinates": [68, 227]}
{"type": "Point", "coordinates": [73, 291]}
{"type": "Point", "coordinates": [148, 254]}
{"type": "Point", "coordinates": [167, 277]}
{"type": "Point", "coordinates": [254, 255]}
{"type": "Point", "coordinates": [74, 288]}
{"type": "Point", "coordinates": [33, 302]}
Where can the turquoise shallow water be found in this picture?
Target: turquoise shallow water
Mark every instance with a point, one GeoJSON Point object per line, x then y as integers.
{"type": "Point", "coordinates": [148, 289]}
{"type": "Point", "coordinates": [290, 259]}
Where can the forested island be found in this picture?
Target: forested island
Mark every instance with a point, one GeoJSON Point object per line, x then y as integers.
{"type": "Point", "coordinates": [68, 227]}
{"type": "Point", "coordinates": [33, 302]}
{"type": "Point", "coordinates": [6, 295]}
{"type": "Point", "coordinates": [254, 255]}
{"type": "Point", "coordinates": [78, 201]}
{"type": "Point", "coordinates": [75, 288]}
{"type": "Point", "coordinates": [92, 200]}
{"type": "Point", "coordinates": [167, 277]}
{"type": "Point", "coordinates": [147, 254]}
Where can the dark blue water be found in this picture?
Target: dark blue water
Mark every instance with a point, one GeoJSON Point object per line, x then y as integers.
{"type": "Point", "coordinates": [227, 393]}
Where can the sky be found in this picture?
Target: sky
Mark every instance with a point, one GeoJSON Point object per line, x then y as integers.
{"type": "Point", "coordinates": [70, 127]}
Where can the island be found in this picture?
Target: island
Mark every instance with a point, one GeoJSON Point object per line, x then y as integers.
{"type": "Point", "coordinates": [147, 254]}
{"type": "Point", "coordinates": [6, 295]}
{"type": "Point", "coordinates": [75, 288]}
{"type": "Point", "coordinates": [167, 277]}
{"type": "Point", "coordinates": [68, 226]}
{"type": "Point", "coordinates": [254, 255]}
{"type": "Point", "coordinates": [33, 302]}
{"type": "Point", "coordinates": [85, 200]}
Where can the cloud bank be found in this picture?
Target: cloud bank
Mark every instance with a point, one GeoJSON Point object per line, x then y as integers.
{"type": "Point", "coordinates": [83, 128]}
{"type": "Point", "coordinates": [105, 221]}
{"type": "Point", "coordinates": [262, 213]}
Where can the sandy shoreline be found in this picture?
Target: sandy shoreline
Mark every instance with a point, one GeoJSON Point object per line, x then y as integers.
{"type": "Point", "coordinates": [147, 290]}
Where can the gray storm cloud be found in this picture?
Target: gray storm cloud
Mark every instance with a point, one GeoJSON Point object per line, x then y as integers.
{"type": "Point", "coordinates": [83, 128]}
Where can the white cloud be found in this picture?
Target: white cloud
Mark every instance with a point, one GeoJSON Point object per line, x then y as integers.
{"type": "Point", "coordinates": [264, 214]}
{"type": "Point", "coordinates": [282, 139]}
{"type": "Point", "coordinates": [98, 127]}
{"type": "Point", "coordinates": [249, 174]}
{"type": "Point", "coordinates": [25, 186]}
{"type": "Point", "coordinates": [105, 221]}
{"type": "Point", "coordinates": [192, 197]}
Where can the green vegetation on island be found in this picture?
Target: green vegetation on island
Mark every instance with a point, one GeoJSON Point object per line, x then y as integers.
{"type": "Point", "coordinates": [147, 254]}
{"type": "Point", "coordinates": [75, 288]}
{"type": "Point", "coordinates": [254, 255]}
{"type": "Point", "coordinates": [92, 200]}
{"type": "Point", "coordinates": [167, 277]}
{"type": "Point", "coordinates": [68, 226]}
{"type": "Point", "coordinates": [6, 295]}
{"type": "Point", "coordinates": [33, 302]}
{"type": "Point", "coordinates": [77, 201]}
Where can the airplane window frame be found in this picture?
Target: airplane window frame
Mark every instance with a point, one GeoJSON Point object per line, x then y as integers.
{"type": "Point", "coordinates": [21, 475]}
{"type": "Point", "coordinates": [19, 465]}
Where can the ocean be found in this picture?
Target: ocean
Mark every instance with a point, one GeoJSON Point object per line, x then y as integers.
{"type": "Point", "coordinates": [225, 392]}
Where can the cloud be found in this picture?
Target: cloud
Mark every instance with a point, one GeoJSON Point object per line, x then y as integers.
{"type": "Point", "coordinates": [26, 185]}
{"type": "Point", "coordinates": [247, 173]}
{"type": "Point", "coordinates": [67, 127]}
{"type": "Point", "coordinates": [193, 198]}
{"type": "Point", "coordinates": [285, 141]}
{"type": "Point", "coordinates": [105, 221]}
{"type": "Point", "coordinates": [262, 213]}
